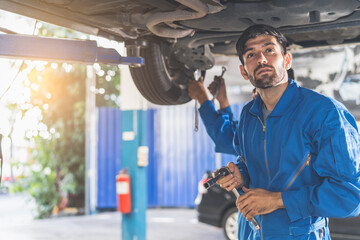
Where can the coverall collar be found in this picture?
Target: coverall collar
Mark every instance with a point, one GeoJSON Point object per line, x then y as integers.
{"type": "Point", "coordinates": [288, 101]}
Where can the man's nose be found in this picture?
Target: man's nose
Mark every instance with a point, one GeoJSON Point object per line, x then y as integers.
{"type": "Point", "coordinates": [261, 59]}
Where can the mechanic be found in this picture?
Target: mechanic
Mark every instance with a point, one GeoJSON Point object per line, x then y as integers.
{"type": "Point", "coordinates": [298, 151]}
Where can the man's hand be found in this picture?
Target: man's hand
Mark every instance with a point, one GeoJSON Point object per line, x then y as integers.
{"type": "Point", "coordinates": [196, 90]}
{"type": "Point", "coordinates": [221, 95]}
{"type": "Point", "coordinates": [233, 180]}
{"type": "Point", "coordinates": [258, 201]}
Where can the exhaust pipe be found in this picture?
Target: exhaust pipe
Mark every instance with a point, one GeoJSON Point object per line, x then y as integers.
{"type": "Point", "coordinates": [153, 22]}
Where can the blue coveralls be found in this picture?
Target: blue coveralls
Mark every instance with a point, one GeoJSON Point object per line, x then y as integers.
{"type": "Point", "coordinates": [308, 149]}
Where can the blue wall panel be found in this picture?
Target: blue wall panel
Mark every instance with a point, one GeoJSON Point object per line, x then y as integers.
{"type": "Point", "coordinates": [152, 172]}
{"type": "Point", "coordinates": [182, 155]}
{"type": "Point", "coordinates": [109, 153]}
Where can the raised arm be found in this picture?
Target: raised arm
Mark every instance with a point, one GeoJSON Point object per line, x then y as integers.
{"type": "Point", "coordinates": [219, 124]}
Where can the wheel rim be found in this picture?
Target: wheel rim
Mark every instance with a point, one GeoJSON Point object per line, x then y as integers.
{"type": "Point", "coordinates": [174, 70]}
{"type": "Point", "coordinates": [231, 226]}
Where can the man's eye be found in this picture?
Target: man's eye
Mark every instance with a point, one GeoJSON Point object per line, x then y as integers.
{"type": "Point", "coordinates": [269, 50]}
{"type": "Point", "coordinates": [250, 55]}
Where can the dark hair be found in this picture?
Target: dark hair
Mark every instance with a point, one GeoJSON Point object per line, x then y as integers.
{"type": "Point", "coordinates": [255, 31]}
{"type": "Point", "coordinates": [291, 73]}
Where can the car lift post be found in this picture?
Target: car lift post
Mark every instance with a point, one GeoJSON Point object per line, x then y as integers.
{"type": "Point", "coordinates": [134, 155]}
{"type": "Point", "coordinates": [134, 151]}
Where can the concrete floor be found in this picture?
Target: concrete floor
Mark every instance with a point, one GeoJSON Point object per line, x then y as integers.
{"type": "Point", "coordinates": [16, 223]}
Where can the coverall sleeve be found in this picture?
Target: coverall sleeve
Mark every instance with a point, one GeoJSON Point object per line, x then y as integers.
{"type": "Point", "coordinates": [338, 164]}
{"type": "Point", "coordinates": [227, 111]}
{"type": "Point", "coordinates": [244, 172]}
{"type": "Point", "coordinates": [220, 126]}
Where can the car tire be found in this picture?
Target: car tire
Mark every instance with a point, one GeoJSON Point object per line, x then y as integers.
{"type": "Point", "coordinates": [162, 80]}
{"type": "Point", "coordinates": [230, 224]}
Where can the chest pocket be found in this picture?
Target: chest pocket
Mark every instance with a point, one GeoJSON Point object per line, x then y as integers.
{"type": "Point", "coordinates": [303, 163]}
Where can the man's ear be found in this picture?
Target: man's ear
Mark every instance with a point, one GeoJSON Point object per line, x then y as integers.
{"type": "Point", "coordinates": [243, 72]}
{"type": "Point", "coordinates": [288, 60]}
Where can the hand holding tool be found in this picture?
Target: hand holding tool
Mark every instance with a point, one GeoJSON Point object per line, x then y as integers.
{"type": "Point", "coordinates": [218, 83]}
{"type": "Point", "coordinates": [222, 172]}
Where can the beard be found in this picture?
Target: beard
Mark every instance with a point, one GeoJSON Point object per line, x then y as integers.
{"type": "Point", "coordinates": [267, 80]}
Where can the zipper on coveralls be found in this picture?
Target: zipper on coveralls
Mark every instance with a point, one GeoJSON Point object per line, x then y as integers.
{"type": "Point", "coordinates": [306, 163]}
{"type": "Point", "coordinates": [267, 168]}
{"type": "Point", "coordinates": [266, 163]}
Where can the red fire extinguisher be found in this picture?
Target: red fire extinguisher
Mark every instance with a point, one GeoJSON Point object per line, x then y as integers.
{"type": "Point", "coordinates": [123, 190]}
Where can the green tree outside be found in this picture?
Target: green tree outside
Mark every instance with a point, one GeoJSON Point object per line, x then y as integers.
{"type": "Point", "coordinates": [56, 177]}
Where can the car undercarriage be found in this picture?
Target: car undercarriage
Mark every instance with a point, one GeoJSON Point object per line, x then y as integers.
{"type": "Point", "coordinates": [178, 37]}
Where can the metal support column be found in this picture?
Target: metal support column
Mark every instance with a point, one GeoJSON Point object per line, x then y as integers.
{"type": "Point", "coordinates": [133, 225]}
{"type": "Point", "coordinates": [90, 142]}
{"type": "Point", "coordinates": [134, 157]}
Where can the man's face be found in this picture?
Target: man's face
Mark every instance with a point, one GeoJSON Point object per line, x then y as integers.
{"type": "Point", "coordinates": [265, 64]}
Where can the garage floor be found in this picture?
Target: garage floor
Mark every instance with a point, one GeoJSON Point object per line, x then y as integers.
{"type": "Point", "coordinates": [16, 223]}
{"type": "Point", "coordinates": [174, 224]}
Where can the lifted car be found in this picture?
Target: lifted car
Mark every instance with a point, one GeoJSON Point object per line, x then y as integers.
{"type": "Point", "coordinates": [177, 37]}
